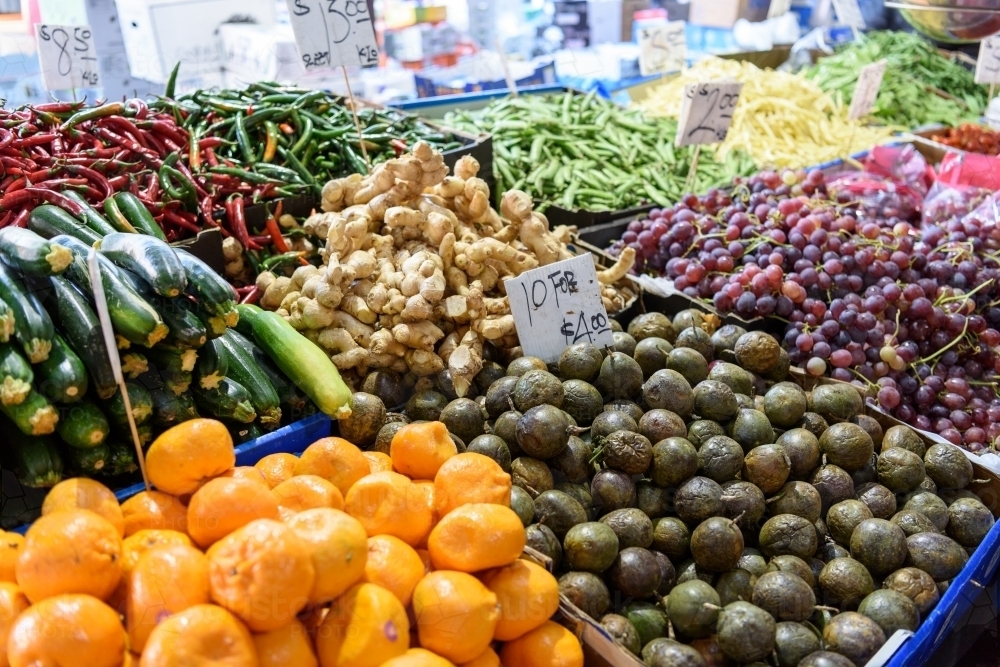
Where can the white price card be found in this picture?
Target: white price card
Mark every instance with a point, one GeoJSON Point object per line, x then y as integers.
{"type": "Point", "coordinates": [866, 90]}
{"type": "Point", "coordinates": [988, 65]}
{"type": "Point", "coordinates": [662, 48]}
{"type": "Point", "coordinates": [558, 305]}
{"type": "Point", "coordinates": [849, 13]}
{"type": "Point", "coordinates": [778, 8]}
{"type": "Point", "coordinates": [332, 33]}
{"type": "Point", "coordinates": [707, 112]}
{"type": "Point", "coordinates": [67, 56]}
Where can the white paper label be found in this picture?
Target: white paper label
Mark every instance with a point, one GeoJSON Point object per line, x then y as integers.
{"type": "Point", "coordinates": [866, 91]}
{"type": "Point", "coordinates": [988, 65]}
{"type": "Point", "coordinates": [331, 33]}
{"type": "Point", "coordinates": [778, 8]}
{"type": "Point", "coordinates": [67, 56]}
{"type": "Point", "coordinates": [559, 305]}
{"type": "Point", "coordinates": [707, 112]}
{"type": "Point", "coordinates": [662, 48]}
{"type": "Point", "coordinates": [849, 13]}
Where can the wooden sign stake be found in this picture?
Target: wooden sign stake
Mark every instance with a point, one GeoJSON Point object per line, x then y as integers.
{"type": "Point", "coordinates": [101, 302]}
{"type": "Point", "coordinates": [357, 122]}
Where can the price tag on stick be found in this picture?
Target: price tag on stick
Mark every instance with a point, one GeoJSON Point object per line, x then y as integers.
{"type": "Point", "coordinates": [67, 56]}
{"type": "Point", "coordinates": [849, 13]}
{"type": "Point", "coordinates": [988, 65]}
{"type": "Point", "coordinates": [707, 112]}
{"type": "Point", "coordinates": [866, 90]}
{"type": "Point", "coordinates": [333, 33]}
{"type": "Point", "coordinates": [662, 48]}
{"type": "Point", "coordinates": [559, 305]}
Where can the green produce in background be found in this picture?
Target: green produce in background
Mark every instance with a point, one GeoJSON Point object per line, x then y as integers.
{"type": "Point", "coordinates": [920, 86]}
{"type": "Point", "coordinates": [582, 152]}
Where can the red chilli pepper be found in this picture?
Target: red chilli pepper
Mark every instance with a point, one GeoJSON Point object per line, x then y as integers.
{"type": "Point", "coordinates": [58, 107]}
{"type": "Point", "coordinates": [126, 127]}
{"type": "Point", "coordinates": [35, 140]}
{"type": "Point", "coordinates": [12, 199]}
{"type": "Point", "coordinates": [271, 223]}
{"type": "Point", "coordinates": [19, 184]}
{"type": "Point", "coordinates": [6, 138]}
{"type": "Point", "coordinates": [251, 297]}
{"type": "Point", "coordinates": [119, 182]}
{"type": "Point", "coordinates": [175, 219]}
{"type": "Point", "coordinates": [22, 218]}
{"type": "Point", "coordinates": [237, 220]}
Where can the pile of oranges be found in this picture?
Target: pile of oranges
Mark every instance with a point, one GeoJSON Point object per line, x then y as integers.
{"type": "Point", "coordinates": [336, 558]}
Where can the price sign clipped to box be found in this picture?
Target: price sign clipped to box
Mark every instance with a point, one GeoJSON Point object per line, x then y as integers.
{"type": "Point", "coordinates": [67, 56]}
{"type": "Point", "coordinates": [707, 112]}
{"type": "Point", "coordinates": [662, 48]}
{"type": "Point", "coordinates": [849, 13]}
{"type": "Point", "coordinates": [333, 33]}
{"type": "Point", "coordinates": [866, 90]}
{"type": "Point", "coordinates": [988, 65]}
{"type": "Point", "coordinates": [558, 305]}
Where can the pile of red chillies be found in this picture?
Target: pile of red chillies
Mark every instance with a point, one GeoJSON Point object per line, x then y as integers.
{"type": "Point", "coordinates": [48, 149]}
{"type": "Point", "coordinates": [971, 138]}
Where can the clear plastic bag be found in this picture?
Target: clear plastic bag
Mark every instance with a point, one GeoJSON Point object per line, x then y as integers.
{"type": "Point", "coordinates": [947, 201]}
{"type": "Point", "coordinates": [903, 164]}
{"type": "Point", "coordinates": [877, 196]}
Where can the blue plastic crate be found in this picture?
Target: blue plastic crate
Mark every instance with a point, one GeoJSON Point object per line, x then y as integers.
{"type": "Point", "coordinates": [292, 438]}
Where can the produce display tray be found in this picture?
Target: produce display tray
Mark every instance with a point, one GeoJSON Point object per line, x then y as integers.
{"type": "Point", "coordinates": [23, 504]}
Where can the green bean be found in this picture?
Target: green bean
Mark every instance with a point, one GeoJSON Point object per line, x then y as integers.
{"type": "Point", "coordinates": [581, 151]}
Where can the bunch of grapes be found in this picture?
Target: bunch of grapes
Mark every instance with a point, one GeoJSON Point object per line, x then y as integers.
{"type": "Point", "coordinates": [871, 294]}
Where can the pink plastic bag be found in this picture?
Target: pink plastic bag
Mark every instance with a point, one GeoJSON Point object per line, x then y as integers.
{"type": "Point", "coordinates": [877, 196]}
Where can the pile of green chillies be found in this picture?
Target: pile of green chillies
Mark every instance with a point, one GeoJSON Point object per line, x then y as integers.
{"type": "Point", "coordinates": [295, 136]}
{"type": "Point", "coordinates": [581, 152]}
{"type": "Point", "coordinates": [920, 85]}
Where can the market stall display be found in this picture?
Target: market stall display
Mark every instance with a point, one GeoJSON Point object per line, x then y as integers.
{"type": "Point", "coordinates": [153, 582]}
{"type": "Point", "coordinates": [578, 151]}
{"type": "Point", "coordinates": [920, 86]}
{"type": "Point", "coordinates": [414, 263]}
{"type": "Point", "coordinates": [780, 120]}
{"type": "Point", "coordinates": [969, 137]}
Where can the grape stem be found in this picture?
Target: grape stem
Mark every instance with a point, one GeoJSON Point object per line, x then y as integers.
{"type": "Point", "coordinates": [967, 295]}
{"type": "Point", "coordinates": [947, 347]}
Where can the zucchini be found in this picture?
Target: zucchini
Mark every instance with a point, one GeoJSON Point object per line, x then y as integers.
{"type": "Point", "coordinates": [228, 400]}
{"type": "Point", "coordinates": [243, 369]}
{"type": "Point", "coordinates": [37, 462]}
{"type": "Point", "coordinates": [82, 330]}
{"type": "Point", "coordinates": [186, 329]}
{"type": "Point", "coordinates": [138, 215]}
{"type": "Point", "coordinates": [170, 409]}
{"type": "Point", "coordinates": [212, 365]}
{"type": "Point", "coordinates": [134, 319]}
{"type": "Point", "coordinates": [305, 364]}
{"type": "Point", "coordinates": [32, 323]}
{"type": "Point", "coordinates": [93, 219]}
{"type": "Point", "coordinates": [134, 364]}
{"type": "Point", "coordinates": [151, 259]}
{"type": "Point", "coordinates": [62, 377]}
{"type": "Point", "coordinates": [28, 252]}
{"type": "Point", "coordinates": [215, 325]}
{"type": "Point", "coordinates": [115, 216]}
{"type": "Point", "coordinates": [209, 288]}
{"type": "Point", "coordinates": [174, 367]}
{"type": "Point", "coordinates": [145, 432]}
{"type": "Point", "coordinates": [291, 397]}
{"type": "Point", "coordinates": [6, 322]}
{"type": "Point", "coordinates": [122, 459]}
{"type": "Point", "coordinates": [139, 398]}
{"type": "Point", "coordinates": [82, 425]}
{"type": "Point", "coordinates": [88, 462]}
{"type": "Point", "coordinates": [34, 415]}
{"type": "Point", "coordinates": [243, 433]}
{"type": "Point", "coordinates": [49, 221]}
{"type": "Point", "coordinates": [16, 376]}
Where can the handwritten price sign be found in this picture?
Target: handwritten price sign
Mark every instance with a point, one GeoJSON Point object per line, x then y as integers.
{"type": "Point", "coordinates": [67, 56]}
{"type": "Point", "coordinates": [849, 13]}
{"type": "Point", "coordinates": [707, 112]}
{"type": "Point", "coordinates": [559, 305]}
{"type": "Point", "coordinates": [866, 90]}
{"type": "Point", "coordinates": [662, 48]}
{"type": "Point", "coordinates": [331, 33]}
{"type": "Point", "coordinates": [988, 65]}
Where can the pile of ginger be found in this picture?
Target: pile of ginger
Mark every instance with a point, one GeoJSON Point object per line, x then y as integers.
{"type": "Point", "coordinates": [414, 264]}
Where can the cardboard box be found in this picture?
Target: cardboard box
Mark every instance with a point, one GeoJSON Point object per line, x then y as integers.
{"type": "Point", "coordinates": [160, 33]}
{"type": "Point", "coordinates": [725, 13]}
